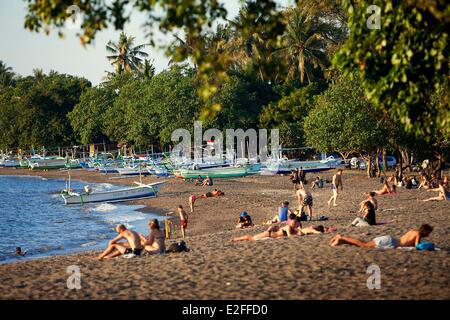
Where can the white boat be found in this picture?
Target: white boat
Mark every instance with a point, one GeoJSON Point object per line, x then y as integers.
{"type": "Point", "coordinates": [285, 166]}
{"type": "Point", "coordinates": [141, 191]}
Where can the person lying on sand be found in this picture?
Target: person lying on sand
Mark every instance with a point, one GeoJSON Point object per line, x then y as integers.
{"type": "Point", "coordinates": [199, 181]}
{"type": "Point", "coordinates": [244, 221]}
{"type": "Point", "coordinates": [283, 213]}
{"type": "Point", "coordinates": [386, 189]}
{"type": "Point", "coordinates": [305, 199]}
{"type": "Point", "coordinates": [290, 229]}
{"type": "Point", "coordinates": [369, 216]}
{"type": "Point", "coordinates": [337, 181]}
{"type": "Point", "coordinates": [216, 193]}
{"type": "Point", "coordinates": [409, 239]}
{"type": "Point", "coordinates": [316, 230]}
{"type": "Point", "coordinates": [444, 193]}
{"type": "Point", "coordinates": [116, 248]}
{"type": "Point", "coordinates": [156, 239]}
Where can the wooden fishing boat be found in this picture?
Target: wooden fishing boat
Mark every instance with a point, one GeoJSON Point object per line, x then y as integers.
{"type": "Point", "coordinates": [224, 172]}
{"type": "Point", "coordinates": [141, 191]}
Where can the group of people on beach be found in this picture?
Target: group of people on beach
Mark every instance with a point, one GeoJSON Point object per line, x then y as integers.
{"type": "Point", "coordinates": [154, 243]}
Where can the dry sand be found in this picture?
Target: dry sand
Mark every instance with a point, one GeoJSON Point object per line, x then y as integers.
{"type": "Point", "coordinates": [290, 268]}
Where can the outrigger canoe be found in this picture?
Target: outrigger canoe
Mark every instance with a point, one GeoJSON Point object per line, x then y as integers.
{"type": "Point", "coordinates": [225, 172]}
{"type": "Point", "coordinates": [141, 191]}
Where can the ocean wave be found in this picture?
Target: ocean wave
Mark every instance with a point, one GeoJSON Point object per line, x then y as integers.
{"type": "Point", "coordinates": [104, 207]}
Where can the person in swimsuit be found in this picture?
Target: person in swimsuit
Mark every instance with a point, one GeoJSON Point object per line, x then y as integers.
{"type": "Point", "coordinates": [215, 193]}
{"type": "Point", "coordinates": [294, 178]}
{"type": "Point", "coordinates": [19, 252]}
{"type": "Point", "coordinates": [116, 248]}
{"type": "Point", "coordinates": [183, 220]}
{"type": "Point", "coordinates": [290, 229]}
{"type": "Point", "coordinates": [207, 182]}
{"type": "Point", "coordinates": [369, 216]}
{"type": "Point", "coordinates": [386, 189]}
{"type": "Point", "coordinates": [315, 230]}
{"type": "Point", "coordinates": [199, 181]}
{"type": "Point", "coordinates": [444, 193]}
{"type": "Point", "coordinates": [370, 198]}
{"type": "Point", "coordinates": [156, 239]}
{"type": "Point", "coordinates": [283, 213]}
{"type": "Point", "coordinates": [409, 239]}
{"type": "Point", "coordinates": [336, 183]}
{"type": "Point", "coordinates": [305, 199]}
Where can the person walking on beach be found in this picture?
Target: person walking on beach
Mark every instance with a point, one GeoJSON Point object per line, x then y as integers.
{"type": "Point", "coordinates": [183, 219]}
{"type": "Point", "coordinates": [337, 181]}
{"type": "Point", "coordinates": [116, 248]}
{"type": "Point", "coordinates": [294, 178]}
{"type": "Point", "coordinates": [305, 199]}
{"type": "Point", "coordinates": [409, 239]}
{"type": "Point", "coordinates": [156, 239]}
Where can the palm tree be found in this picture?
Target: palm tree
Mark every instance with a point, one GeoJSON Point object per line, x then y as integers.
{"type": "Point", "coordinates": [305, 44]}
{"type": "Point", "coordinates": [38, 74]}
{"type": "Point", "coordinates": [146, 70]}
{"type": "Point", "coordinates": [124, 55]}
{"type": "Point", "coordinates": [6, 75]}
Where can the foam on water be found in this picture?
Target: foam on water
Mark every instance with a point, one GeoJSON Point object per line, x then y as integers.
{"type": "Point", "coordinates": [103, 207]}
{"type": "Point", "coordinates": [33, 206]}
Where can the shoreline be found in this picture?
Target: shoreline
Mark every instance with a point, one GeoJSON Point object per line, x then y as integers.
{"type": "Point", "coordinates": [290, 268]}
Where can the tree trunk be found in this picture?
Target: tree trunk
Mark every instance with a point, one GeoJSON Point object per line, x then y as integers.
{"type": "Point", "coordinates": [385, 164]}
{"type": "Point", "coordinates": [400, 159]}
{"type": "Point", "coordinates": [405, 159]}
{"type": "Point", "coordinates": [440, 162]}
{"type": "Point", "coordinates": [377, 163]}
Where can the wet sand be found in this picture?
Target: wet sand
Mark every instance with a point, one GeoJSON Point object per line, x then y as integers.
{"type": "Point", "coordinates": [304, 267]}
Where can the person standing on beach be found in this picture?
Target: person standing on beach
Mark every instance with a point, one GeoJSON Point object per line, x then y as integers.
{"type": "Point", "coordinates": [337, 181]}
{"type": "Point", "coordinates": [183, 219]}
{"type": "Point", "coordinates": [294, 178]}
{"type": "Point", "coordinates": [305, 199]}
{"type": "Point", "coordinates": [116, 248]}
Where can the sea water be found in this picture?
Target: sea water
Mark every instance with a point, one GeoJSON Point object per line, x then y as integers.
{"type": "Point", "coordinates": [33, 216]}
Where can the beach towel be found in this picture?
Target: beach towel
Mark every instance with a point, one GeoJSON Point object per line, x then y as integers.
{"type": "Point", "coordinates": [425, 246]}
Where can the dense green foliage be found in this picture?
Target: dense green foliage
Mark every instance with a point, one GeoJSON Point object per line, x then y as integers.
{"type": "Point", "coordinates": [403, 63]}
{"type": "Point", "coordinates": [343, 120]}
{"type": "Point", "coordinates": [33, 112]}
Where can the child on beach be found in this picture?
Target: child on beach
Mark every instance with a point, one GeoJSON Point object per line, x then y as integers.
{"type": "Point", "coordinates": [244, 221]}
{"type": "Point", "coordinates": [156, 239]}
{"type": "Point", "coordinates": [409, 239]}
{"type": "Point", "coordinates": [115, 248]}
{"type": "Point", "coordinates": [337, 181]}
{"type": "Point", "coordinates": [183, 219]}
{"type": "Point", "coordinates": [317, 182]}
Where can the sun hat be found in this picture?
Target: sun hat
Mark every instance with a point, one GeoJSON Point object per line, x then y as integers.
{"type": "Point", "coordinates": [244, 214]}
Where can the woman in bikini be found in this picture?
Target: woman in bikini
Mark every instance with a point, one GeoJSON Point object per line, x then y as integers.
{"type": "Point", "coordinates": [444, 193]}
{"type": "Point", "coordinates": [290, 229]}
{"type": "Point", "coordinates": [156, 239]}
{"type": "Point", "coordinates": [386, 189]}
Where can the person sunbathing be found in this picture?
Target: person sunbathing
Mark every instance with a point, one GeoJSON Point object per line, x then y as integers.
{"type": "Point", "coordinates": [215, 193]}
{"type": "Point", "coordinates": [116, 248]}
{"type": "Point", "coordinates": [290, 229]}
{"type": "Point", "coordinates": [409, 239]}
{"type": "Point", "coordinates": [444, 193]}
{"type": "Point", "coordinates": [199, 181]}
{"type": "Point", "coordinates": [386, 189]}
{"type": "Point", "coordinates": [156, 239]}
{"type": "Point", "coordinates": [315, 230]}
{"type": "Point", "coordinates": [371, 198]}
{"type": "Point", "coordinates": [369, 216]}
{"type": "Point", "coordinates": [283, 213]}
{"type": "Point", "coordinates": [244, 221]}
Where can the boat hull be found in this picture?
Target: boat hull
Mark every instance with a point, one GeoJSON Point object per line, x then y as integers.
{"type": "Point", "coordinates": [146, 191]}
{"type": "Point", "coordinates": [212, 173]}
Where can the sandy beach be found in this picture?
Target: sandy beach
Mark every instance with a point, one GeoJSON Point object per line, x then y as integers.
{"type": "Point", "coordinates": [304, 267]}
